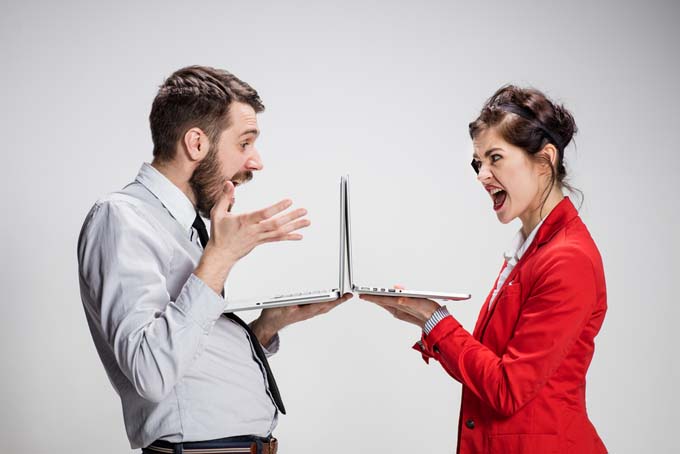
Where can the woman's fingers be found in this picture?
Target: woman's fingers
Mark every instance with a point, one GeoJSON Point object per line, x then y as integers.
{"type": "Point", "coordinates": [394, 301]}
{"type": "Point", "coordinates": [420, 308]}
{"type": "Point", "coordinates": [401, 315]}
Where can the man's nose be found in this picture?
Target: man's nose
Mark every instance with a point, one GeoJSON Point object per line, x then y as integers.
{"type": "Point", "coordinates": [254, 162]}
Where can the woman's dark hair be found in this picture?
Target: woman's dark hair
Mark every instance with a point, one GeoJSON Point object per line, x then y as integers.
{"type": "Point", "coordinates": [526, 118]}
{"type": "Point", "coordinates": [195, 96]}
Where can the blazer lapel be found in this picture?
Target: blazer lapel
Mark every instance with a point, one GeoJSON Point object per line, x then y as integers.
{"type": "Point", "coordinates": [484, 310]}
{"type": "Point", "coordinates": [563, 213]}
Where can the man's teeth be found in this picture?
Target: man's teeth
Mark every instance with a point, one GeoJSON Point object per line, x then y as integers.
{"type": "Point", "coordinates": [495, 191]}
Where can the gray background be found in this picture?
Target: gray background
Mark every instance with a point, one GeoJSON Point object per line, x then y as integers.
{"type": "Point", "coordinates": [384, 92]}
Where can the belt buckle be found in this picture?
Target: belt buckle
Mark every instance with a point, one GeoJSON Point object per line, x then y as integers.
{"type": "Point", "coordinates": [272, 446]}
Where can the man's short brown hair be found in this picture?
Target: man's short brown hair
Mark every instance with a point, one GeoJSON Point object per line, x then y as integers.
{"type": "Point", "coordinates": [196, 96]}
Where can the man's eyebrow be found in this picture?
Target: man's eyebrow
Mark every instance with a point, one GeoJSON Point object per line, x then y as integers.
{"type": "Point", "coordinates": [487, 152]}
{"type": "Point", "coordinates": [250, 131]}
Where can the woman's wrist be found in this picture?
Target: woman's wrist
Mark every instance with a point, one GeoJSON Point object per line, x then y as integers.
{"type": "Point", "coordinates": [437, 316]}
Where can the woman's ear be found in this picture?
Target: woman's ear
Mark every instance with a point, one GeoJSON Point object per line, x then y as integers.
{"type": "Point", "coordinates": [549, 155]}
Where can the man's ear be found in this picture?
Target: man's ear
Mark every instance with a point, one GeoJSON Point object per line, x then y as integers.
{"type": "Point", "coordinates": [195, 144]}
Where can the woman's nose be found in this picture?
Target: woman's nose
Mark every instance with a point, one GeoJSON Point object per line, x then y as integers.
{"type": "Point", "coordinates": [483, 174]}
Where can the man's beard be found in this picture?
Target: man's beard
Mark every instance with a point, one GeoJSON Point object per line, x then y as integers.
{"type": "Point", "coordinates": [208, 183]}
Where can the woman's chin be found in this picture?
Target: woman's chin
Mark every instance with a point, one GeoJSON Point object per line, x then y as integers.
{"type": "Point", "coordinates": [504, 216]}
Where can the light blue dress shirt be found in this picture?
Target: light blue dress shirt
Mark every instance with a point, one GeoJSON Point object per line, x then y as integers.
{"type": "Point", "coordinates": [183, 372]}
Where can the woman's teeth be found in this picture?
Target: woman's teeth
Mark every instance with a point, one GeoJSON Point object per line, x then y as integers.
{"type": "Point", "coordinates": [498, 196]}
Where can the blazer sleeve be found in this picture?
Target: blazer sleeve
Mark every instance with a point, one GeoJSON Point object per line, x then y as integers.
{"type": "Point", "coordinates": [554, 314]}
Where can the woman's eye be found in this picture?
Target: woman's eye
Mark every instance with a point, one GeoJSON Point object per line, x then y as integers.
{"type": "Point", "coordinates": [495, 157]}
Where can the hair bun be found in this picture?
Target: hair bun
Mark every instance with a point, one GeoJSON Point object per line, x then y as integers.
{"type": "Point", "coordinates": [565, 125]}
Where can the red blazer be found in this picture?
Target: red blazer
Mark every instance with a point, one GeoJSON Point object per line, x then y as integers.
{"type": "Point", "coordinates": [523, 369]}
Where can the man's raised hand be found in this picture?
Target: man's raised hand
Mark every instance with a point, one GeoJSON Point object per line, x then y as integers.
{"type": "Point", "coordinates": [233, 236]}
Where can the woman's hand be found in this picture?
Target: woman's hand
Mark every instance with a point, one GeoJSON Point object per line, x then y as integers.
{"type": "Point", "coordinates": [411, 310]}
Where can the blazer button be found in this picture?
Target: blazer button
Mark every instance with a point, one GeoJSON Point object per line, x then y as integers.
{"type": "Point", "coordinates": [436, 349]}
{"type": "Point", "coordinates": [470, 424]}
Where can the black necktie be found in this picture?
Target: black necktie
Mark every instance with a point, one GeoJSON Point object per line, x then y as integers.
{"type": "Point", "coordinates": [257, 348]}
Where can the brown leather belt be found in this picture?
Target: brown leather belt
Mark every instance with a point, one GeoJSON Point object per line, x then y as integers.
{"type": "Point", "coordinates": [268, 447]}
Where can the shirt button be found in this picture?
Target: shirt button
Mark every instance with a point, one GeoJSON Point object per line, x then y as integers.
{"type": "Point", "coordinates": [436, 349]}
{"type": "Point", "coordinates": [470, 424]}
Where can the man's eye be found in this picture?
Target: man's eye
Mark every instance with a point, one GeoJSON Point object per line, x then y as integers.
{"type": "Point", "coordinates": [244, 145]}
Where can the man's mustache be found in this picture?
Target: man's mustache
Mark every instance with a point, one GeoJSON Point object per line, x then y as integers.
{"type": "Point", "coordinates": [242, 177]}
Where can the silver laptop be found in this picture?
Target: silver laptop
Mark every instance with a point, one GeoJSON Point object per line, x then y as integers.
{"type": "Point", "coordinates": [385, 291]}
{"type": "Point", "coordinates": [317, 296]}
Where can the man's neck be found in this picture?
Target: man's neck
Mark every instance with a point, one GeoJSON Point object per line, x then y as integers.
{"type": "Point", "coordinates": [178, 176]}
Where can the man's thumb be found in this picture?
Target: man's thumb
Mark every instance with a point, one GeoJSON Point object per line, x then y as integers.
{"type": "Point", "coordinates": [227, 199]}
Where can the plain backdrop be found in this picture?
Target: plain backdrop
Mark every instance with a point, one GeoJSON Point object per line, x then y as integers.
{"type": "Point", "coordinates": [380, 90]}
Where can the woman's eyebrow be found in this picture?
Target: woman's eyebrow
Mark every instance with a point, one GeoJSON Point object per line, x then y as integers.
{"type": "Point", "coordinates": [487, 152]}
{"type": "Point", "coordinates": [491, 150]}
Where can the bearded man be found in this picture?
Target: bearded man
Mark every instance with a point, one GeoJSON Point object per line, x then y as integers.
{"type": "Point", "coordinates": [189, 377]}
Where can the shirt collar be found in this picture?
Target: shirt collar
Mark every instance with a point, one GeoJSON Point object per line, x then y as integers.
{"type": "Point", "coordinates": [172, 197]}
{"type": "Point", "coordinates": [520, 245]}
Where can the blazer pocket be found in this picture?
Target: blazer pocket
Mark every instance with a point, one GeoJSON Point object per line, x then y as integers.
{"type": "Point", "coordinates": [524, 444]}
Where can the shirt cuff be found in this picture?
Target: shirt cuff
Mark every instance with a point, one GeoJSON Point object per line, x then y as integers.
{"type": "Point", "coordinates": [200, 302]}
{"type": "Point", "coordinates": [437, 317]}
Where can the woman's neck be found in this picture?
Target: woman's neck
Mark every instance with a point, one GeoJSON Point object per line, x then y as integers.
{"type": "Point", "coordinates": [531, 220]}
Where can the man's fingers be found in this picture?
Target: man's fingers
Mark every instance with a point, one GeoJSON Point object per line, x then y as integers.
{"type": "Point", "coordinates": [322, 308]}
{"type": "Point", "coordinates": [266, 213]}
{"type": "Point", "coordinates": [289, 237]}
{"type": "Point", "coordinates": [227, 199]}
{"type": "Point", "coordinates": [275, 223]}
{"type": "Point", "coordinates": [347, 296]}
{"type": "Point", "coordinates": [284, 230]}
{"type": "Point", "coordinates": [307, 311]}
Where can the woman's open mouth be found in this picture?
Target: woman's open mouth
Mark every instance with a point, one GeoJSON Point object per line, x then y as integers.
{"type": "Point", "coordinates": [498, 196]}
